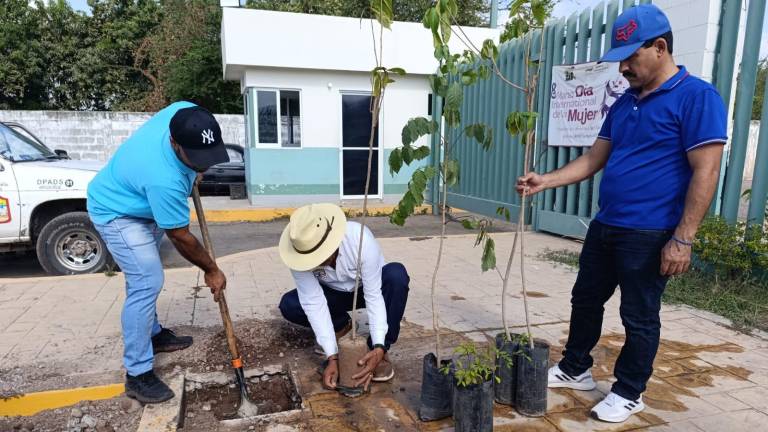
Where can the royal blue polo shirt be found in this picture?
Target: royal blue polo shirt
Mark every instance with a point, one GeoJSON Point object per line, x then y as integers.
{"type": "Point", "coordinates": [646, 177]}
{"type": "Point", "coordinates": [144, 178]}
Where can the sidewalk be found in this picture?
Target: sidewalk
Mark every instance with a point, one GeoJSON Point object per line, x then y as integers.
{"type": "Point", "coordinates": [707, 377]}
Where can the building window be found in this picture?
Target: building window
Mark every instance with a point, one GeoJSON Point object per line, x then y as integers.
{"type": "Point", "coordinates": [278, 118]}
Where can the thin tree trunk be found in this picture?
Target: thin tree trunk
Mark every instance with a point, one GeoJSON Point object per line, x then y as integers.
{"type": "Point", "coordinates": [435, 313]}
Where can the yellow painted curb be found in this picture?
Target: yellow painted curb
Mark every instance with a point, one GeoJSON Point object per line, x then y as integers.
{"type": "Point", "coordinates": [270, 214]}
{"type": "Point", "coordinates": [32, 403]}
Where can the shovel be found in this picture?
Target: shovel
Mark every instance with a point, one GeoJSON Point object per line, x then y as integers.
{"type": "Point", "coordinates": [245, 408]}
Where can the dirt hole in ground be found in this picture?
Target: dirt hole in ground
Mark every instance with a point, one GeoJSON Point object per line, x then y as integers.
{"type": "Point", "coordinates": [271, 393]}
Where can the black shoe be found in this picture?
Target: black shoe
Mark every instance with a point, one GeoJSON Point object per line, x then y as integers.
{"type": "Point", "coordinates": [147, 388]}
{"type": "Point", "coordinates": [167, 341]}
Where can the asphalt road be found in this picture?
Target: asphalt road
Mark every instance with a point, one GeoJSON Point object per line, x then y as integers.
{"type": "Point", "coordinates": [229, 238]}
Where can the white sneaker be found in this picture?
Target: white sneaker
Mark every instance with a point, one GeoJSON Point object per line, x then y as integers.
{"type": "Point", "coordinates": [558, 378]}
{"type": "Point", "coordinates": [616, 409]}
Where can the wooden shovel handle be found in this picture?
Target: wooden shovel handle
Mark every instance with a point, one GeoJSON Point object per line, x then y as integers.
{"type": "Point", "coordinates": [223, 308]}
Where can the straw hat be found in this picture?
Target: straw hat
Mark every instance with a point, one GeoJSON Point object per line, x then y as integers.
{"type": "Point", "coordinates": [313, 234]}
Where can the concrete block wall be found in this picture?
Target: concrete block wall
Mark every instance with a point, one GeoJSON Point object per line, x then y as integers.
{"type": "Point", "coordinates": [95, 135]}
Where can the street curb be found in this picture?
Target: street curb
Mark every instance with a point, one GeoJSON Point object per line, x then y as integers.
{"type": "Point", "coordinates": [32, 403]}
{"type": "Point", "coordinates": [272, 214]}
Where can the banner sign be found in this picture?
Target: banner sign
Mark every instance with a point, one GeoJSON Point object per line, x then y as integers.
{"type": "Point", "coordinates": [580, 98]}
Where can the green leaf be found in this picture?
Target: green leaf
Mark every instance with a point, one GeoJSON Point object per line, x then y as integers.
{"type": "Point", "coordinates": [453, 101]}
{"type": "Point", "coordinates": [515, 123]}
{"type": "Point", "coordinates": [468, 77]}
{"type": "Point", "coordinates": [452, 118]}
{"type": "Point", "coordinates": [445, 28]}
{"type": "Point", "coordinates": [489, 255]}
{"type": "Point", "coordinates": [482, 133]}
{"type": "Point", "coordinates": [439, 84]}
{"type": "Point", "coordinates": [396, 218]}
{"type": "Point", "coordinates": [395, 161]}
{"type": "Point", "coordinates": [484, 72]}
{"type": "Point", "coordinates": [407, 153]}
{"type": "Point", "coordinates": [454, 98]}
{"type": "Point", "coordinates": [539, 9]}
{"type": "Point", "coordinates": [382, 11]}
{"type": "Point", "coordinates": [451, 172]}
{"type": "Point", "coordinates": [489, 51]}
{"type": "Point", "coordinates": [469, 224]}
{"type": "Point", "coordinates": [416, 128]}
{"type": "Point", "coordinates": [506, 214]}
{"type": "Point", "coordinates": [430, 171]}
{"type": "Point", "coordinates": [421, 152]}
{"type": "Point", "coordinates": [397, 70]}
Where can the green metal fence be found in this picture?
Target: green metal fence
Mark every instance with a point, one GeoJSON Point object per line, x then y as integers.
{"type": "Point", "coordinates": [731, 188]}
{"type": "Point", "coordinates": [488, 178]}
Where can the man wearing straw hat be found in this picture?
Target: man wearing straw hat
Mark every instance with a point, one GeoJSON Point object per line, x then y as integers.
{"type": "Point", "coordinates": [660, 145]}
{"type": "Point", "coordinates": [320, 247]}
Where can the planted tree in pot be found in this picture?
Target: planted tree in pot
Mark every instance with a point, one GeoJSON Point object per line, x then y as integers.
{"type": "Point", "coordinates": [354, 348]}
{"type": "Point", "coordinates": [522, 383]}
{"type": "Point", "coordinates": [473, 373]}
{"type": "Point", "coordinates": [454, 73]}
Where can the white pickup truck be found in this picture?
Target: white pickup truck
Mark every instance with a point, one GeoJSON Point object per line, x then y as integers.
{"type": "Point", "coordinates": [42, 204]}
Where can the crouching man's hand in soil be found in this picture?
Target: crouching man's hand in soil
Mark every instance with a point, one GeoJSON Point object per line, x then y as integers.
{"type": "Point", "coordinates": [331, 372]}
{"type": "Point", "coordinates": [369, 362]}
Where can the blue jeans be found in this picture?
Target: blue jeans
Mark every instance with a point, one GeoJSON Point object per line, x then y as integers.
{"type": "Point", "coordinates": [135, 245]}
{"type": "Point", "coordinates": [394, 289]}
{"type": "Point", "coordinates": [631, 259]}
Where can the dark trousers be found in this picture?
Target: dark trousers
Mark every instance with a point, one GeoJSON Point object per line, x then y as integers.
{"type": "Point", "coordinates": [631, 259]}
{"type": "Point", "coordinates": [394, 288]}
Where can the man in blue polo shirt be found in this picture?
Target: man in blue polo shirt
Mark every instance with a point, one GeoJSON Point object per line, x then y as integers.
{"type": "Point", "coordinates": [137, 197]}
{"type": "Point", "coordinates": [660, 146]}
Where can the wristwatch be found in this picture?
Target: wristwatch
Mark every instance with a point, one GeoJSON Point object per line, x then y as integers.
{"type": "Point", "coordinates": [383, 348]}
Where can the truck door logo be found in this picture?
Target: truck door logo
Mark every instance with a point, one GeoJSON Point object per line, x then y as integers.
{"type": "Point", "coordinates": [5, 211]}
{"type": "Point", "coordinates": [69, 183]}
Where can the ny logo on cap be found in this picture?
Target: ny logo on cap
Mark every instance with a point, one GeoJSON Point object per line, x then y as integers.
{"type": "Point", "coordinates": [207, 136]}
{"type": "Point", "coordinates": [624, 32]}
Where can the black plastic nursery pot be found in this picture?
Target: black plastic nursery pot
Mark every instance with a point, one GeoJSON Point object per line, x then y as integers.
{"type": "Point", "coordinates": [532, 366]}
{"type": "Point", "coordinates": [436, 390]}
{"type": "Point", "coordinates": [473, 407]}
{"type": "Point", "coordinates": [505, 386]}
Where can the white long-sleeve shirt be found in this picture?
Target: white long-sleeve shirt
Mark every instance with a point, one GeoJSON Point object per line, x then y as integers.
{"type": "Point", "coordinates": [342, 278]}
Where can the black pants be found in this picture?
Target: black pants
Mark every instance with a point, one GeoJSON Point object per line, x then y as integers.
{"type": "Point", "coordinates": [394, 288]}
{"type": "Point", "coordinates": [631, 259]}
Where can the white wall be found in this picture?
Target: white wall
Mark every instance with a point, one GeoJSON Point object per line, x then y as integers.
{"type": "Point", "coordinates": [695, 28]}
{"type": "Point", "coordinates": [321, 101]}
{"type": "Point", "coordinates": [261, 38]}
{"type": "Point", "coordinates": [96, 135]}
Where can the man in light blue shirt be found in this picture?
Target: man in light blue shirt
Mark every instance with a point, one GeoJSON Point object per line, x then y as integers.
{"type": "Point", "coordinates": [137, 197]}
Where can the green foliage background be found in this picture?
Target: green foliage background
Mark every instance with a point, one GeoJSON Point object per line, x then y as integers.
{"type": "Point", "coordinates": [140, 55]}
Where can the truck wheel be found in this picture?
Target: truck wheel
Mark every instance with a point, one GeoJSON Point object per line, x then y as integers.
{"type": "Point", "coordinates": [69, 244]}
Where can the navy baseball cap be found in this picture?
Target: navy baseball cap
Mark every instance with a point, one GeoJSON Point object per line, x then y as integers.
{"type": "Point", "coordinates": [198, 133]}
{"type": "Point", "coordinates": [634, 27]}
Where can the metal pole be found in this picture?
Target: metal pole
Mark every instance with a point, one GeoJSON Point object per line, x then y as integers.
{"type": "Point", "coordinates": [723, 77]}
{"type": "Point", "coordinates": [744, 95]}
{"type": "Point", "coordinates": [494, 13]}
{"type": "Point", "coordinates": [756, 214]}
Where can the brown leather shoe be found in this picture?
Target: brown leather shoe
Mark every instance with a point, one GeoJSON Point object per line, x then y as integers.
{"type": "Point", "coordinates": [339, 334]}
{"type": "Point", "coordinates": [384, 371]}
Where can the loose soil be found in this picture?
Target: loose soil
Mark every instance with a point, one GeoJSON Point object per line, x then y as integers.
{"type": "Point", "coordinates": [211, 403]}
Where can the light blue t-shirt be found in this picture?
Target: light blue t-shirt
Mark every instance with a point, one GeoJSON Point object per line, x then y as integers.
{"type": "Point", "coordinates": [144, 178]}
